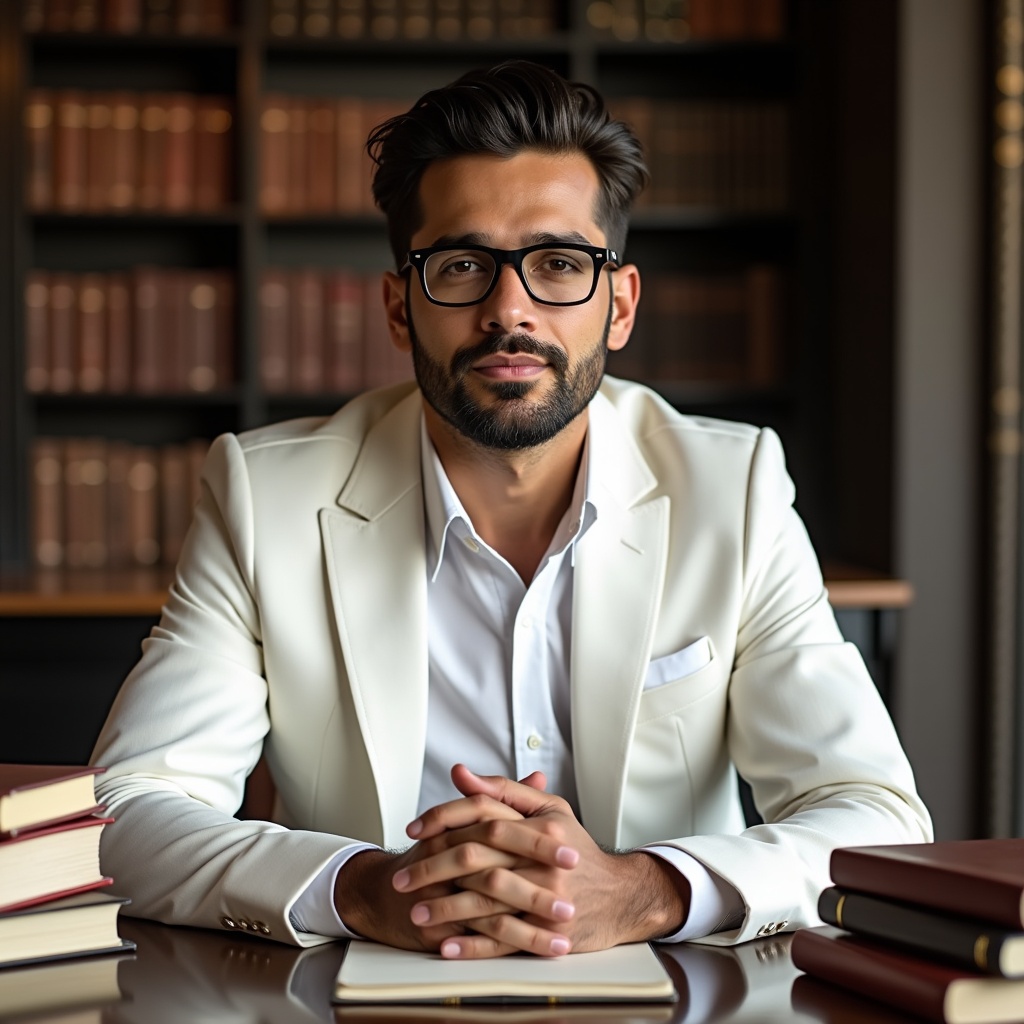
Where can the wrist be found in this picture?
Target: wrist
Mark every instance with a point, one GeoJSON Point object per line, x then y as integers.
{"type": "Point", "coordinates": [357, 890]}
{"type": "Point", "coordinates": [660, 896]}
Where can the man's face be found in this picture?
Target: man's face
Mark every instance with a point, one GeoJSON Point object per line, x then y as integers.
{"type": "Point", "coordinates": [510, 372]}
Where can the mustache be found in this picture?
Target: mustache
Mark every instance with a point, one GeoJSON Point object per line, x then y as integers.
{"type": "Point", "coordinates": [510, 345]}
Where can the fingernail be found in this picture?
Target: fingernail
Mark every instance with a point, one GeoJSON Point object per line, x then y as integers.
{"type": "Point", "coordinates": [414, 828]}
{"type": "Point", "coordinates": [559, 946]}
{"type": "Point", "coordinates": [420, 914]}
{"type": "Point", "coordinates": [566, 857]}
{"type": "Point", "coordinates": [562, 910]}
{"type": "Point", "coordinates": [451, 950]}
{"type": "Point", "coordinates": [401, 879]}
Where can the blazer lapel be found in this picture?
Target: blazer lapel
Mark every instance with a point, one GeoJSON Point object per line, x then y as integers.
{"type": "Point", "coordinates": [619, 577]}
{"type": "Point", "coordinates": [377, 571]}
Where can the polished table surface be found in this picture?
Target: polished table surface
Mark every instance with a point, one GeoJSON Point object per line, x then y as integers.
{"type": "Point", "coordinates": [184, 975]}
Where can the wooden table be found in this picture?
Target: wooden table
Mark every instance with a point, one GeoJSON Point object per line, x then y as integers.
{"type": "Point", "coordinates": [181, 975]}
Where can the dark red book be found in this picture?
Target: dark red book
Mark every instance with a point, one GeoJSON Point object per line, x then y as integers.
{"type": "Point", "coordinates": [143, 504]}
{"type": "Point", "coordinates": [322, 152]}
{"type": "Point", "coordinates": [69, 151]}
{"type": "Point", "coordinates": [307, 331]}
{"type": "Point", "coordinates": [92, 333]}
{"type": "Point", "coordinates": [50, 863]}
{"type": "Point", "coordinates": [148, 329]}
{"type": "Point", "coordinates": [915, 984]}
{"type": "Point", "coordinates": [63, 316]}
{"type": "Point", "coordinates": [124, 151]}
{"type": "Point", "coordinates": [350, 137]}
{"type": "Point", "coordinates": [34, 796]}
{"type": "Point", "coordinates": [274, 164]}
{"type": "Point", "coordinates": [119, 333]}
{"type": "Point", "coordinates": [344, 332]}
{"type": "Point", "coordinates": [213, 153]}
{"type": "Point", "coordinates": [47, 516]}
{"type": "Point", "coordinates": [179, 153]}
{"type": "Point", "coordinates": [37, 330]}
{"type": "Point", "coordinates": [99, 130]}
{"type": "Point", "coordinates": [298, 155]}
{"type": "Point", "coordinates": [980, 878]}
{"type": "Point", "coordinates": [274, 322]}
{"type": "Point", "coordinates": [39, 143]}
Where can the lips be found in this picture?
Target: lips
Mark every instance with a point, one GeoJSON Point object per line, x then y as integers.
{"type": "Point", "coordinates": [490, 362]}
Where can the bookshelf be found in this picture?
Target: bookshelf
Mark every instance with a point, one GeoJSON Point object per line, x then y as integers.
{"type": "Point", "coordinates": [809, 77]}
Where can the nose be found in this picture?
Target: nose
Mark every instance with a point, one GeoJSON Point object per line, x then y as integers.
{"type": "Point", "coordinates": [509, 307]}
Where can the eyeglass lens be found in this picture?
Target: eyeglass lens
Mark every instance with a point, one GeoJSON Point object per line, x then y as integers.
{"type": "Point", "coordinates": [551, 275]}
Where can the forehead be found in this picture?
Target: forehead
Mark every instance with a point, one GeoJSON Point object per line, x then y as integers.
{"type": "Point", "coordinates": [507, 201]}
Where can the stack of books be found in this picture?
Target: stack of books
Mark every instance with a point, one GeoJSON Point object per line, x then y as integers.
{"type": "Point", "coordinates": [51, 903]}
{"type": "Point", "coordinates": [935, 929]}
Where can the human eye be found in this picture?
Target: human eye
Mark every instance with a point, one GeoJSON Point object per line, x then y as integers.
{"type": "Point", "coordinates": [461, 263]}
{"type": "Point", "coordinates": [559, 262]}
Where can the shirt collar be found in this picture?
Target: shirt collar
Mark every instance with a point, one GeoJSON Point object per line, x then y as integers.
{"type": "Point", "coordinates": [444, 510]}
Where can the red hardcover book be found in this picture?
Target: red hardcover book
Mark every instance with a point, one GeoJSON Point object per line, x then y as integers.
{"type": "Point", "coordinates": [923, 987]}
{"type": "Point", "coordinates": [199, 333]}
{"type": "Point", "coordinates": [350, 137]}
{"type": "Point", "coordinates": [63, 316]}
{"type": "Point", "coordinates": [85, 503]}
{"type": "Point", "coordinates": [119, 332]}
{"type": "Point", "coordinates": [69, 150]}
{"type": "Point", "coordinates": [36, 796]}
{"type": "Point", "coordinates": [298, 155]}
{"type": "Point", "coordinates": [57, 15]}
{"type": "Point", "coordinates": [47, 864]}
{"type": "Point", "coordinates": [143, 515]}
{"type": "Point", "coordinates": [124, 151]}
{"type": "Point", "coordinates": [283, 18]}
{"type": "Point", "coordinates": [344, 332]}
{"type": "Point", "coordinates": [179, 153]}
{"type": "Point", "coordinates": [148, 329]}
{"type": "Point", "coordinates": [122, 16]}
{"type": "Point", "coordinates": [274, 321]}
{"type": "Point", "coordinates": [213, 153]}
{"type": "Point", "coordinates": [119, 460]}
{"type": "Point", "coordinates": [99, 128]}
{"type": "Point", "coordinates": [214, 17]}
{"type": "Point", "coordinates": [37, 331]}
{"type": "Point", "coordinates": [47, 519]}
{"type": "Point", "coordinates": [274, 162]}
{"type": "Point", "coordinates": [322, 151]}
{"type": "Point", "coordinates": [316, 18]}
{"type": "Point", "coordinates": [188, 17]}
{"type": "Point", "coordinates": [39, 144]}
{"type": "Point", "coordinates": [350, 20]}
{"type": "Point", "coordinates": [92, 333]}
{"type": "Point", "coordinates": [980, 878]}
{"type": "Point", "coordinates": [152, 150]}
{"type": "Point", "coordinates": [307, 332]}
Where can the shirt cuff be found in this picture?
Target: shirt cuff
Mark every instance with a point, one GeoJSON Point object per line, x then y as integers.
{"type": "Point", "coordinates": [314, 910]}
{"type": "Point", "coordinates": [715, 905]}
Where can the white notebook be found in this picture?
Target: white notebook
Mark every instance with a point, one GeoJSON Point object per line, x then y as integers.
{"type": "Point", "coordinates": [373, 973]}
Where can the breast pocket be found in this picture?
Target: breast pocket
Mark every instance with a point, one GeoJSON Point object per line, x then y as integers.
{"type": "Point", "coordinates": [671, 667]}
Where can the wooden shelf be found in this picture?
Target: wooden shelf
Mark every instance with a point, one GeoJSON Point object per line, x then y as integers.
{"type": "Point", "coordinates": [59, 593]}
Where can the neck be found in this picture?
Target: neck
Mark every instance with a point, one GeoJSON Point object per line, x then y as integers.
{"type": "Point", "coordinates": [516, 499]}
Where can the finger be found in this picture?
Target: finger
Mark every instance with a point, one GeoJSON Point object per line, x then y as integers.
{"type": "Point", "coordinates": [499, 932]}
{"type": "Point", "coordinates": [446, 866]}
{"type": "Point", "coordinates": [458, 814]}
{"type": "Point", "coordinates": [535, 780]}
{"type": "Point", "coordinates": [457, 908]}
{"type": "Point", "coordinates": [537, 842]}
{"type": "Point", "coordinates": [526, 799]}
{"type": "Point", "coordinates": [514, 892]}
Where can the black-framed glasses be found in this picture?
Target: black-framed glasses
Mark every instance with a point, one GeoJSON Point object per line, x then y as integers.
{"type": "Point", "coordinates": [554, 273]}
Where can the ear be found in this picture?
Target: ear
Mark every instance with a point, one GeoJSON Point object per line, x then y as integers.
{"type": "Point", "coordinates": [625, 296]}
{"type": "Point", "coordinates": [394, 307]}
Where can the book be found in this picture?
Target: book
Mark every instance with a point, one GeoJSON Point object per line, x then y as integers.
{"type": "Point", "coordinates": [44, 864]}
{"type": "Point", "coordinates": [47, 463]}
{"type": "Point", "coordinates": [915, 984]}
{"type": "Point", "coordinates": [35, 795]}
{"type": "Point", "coordinates": [982, 878]}
{"type": "Point", "coordinates": [80, 925]}
{"type": "Point", "coordinates": [965, 941]}
{"type": "Point", "coordinates": [375, 973]}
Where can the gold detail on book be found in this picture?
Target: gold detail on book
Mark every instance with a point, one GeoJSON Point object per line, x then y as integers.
{"type": "Point", "coordinates": [981, 952]}
{"type": "Point", "coordinates": [839, 911]}
{"type": "Point", "coordinates": [1010, 80]}
{"type": "Point", "coordinates": [1010, 115]}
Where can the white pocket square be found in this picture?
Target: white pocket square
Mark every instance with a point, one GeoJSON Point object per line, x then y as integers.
{"type": "Point", "coordinates": [690, 659]}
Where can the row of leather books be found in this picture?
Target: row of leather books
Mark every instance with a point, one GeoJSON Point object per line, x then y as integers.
{"type": "Point", "coordinates": [312, 153]}
{"type": "Point", "coordinates": [103, 504]}
{"type": "Point", "coordinates": [325, 332]}
{"type": "Point", "coordinates": [443, 20]}
{"type": "Point", "coordinates": [118, 152]}
{"type": "Point", "coordinates": [128, 17]}
{"type": "Point", "coordinates": [720, 154]}
{"type": "Point", "coordinates": [723, 327]}
{"type": "Point", "coordinates": [680, 20]}
{"type": "Point", "coordinates": [147, 330]}
{"type": "Point", "coordinates": [52, 903]}
{"type": "Point", "coordinates": [933, 929]}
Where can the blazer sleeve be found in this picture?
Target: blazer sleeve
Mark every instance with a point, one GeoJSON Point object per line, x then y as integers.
{"type": "Point", "coordinates": [806, 727]}
{"type": "Point", "coordinates": [185, 731]}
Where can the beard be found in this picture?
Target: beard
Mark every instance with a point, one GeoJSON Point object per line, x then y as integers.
{"type": "Point", "coordinates": [512, 422]}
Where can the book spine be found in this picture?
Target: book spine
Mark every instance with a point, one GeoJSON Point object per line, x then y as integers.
{"type": "Point", "coordinates": [39, 149]}
{"type": "Point", "coordinates": [124, 151]}
{"type": "Point", "coordinates": [99, 129]}
{"type": "Point", "coordinates": [297, 142]}
{"type": "Point", "coordinates": [122, 16]}
{"type": "Point", "coordinates": [119, 552]}
{"type": "Point", "coordinates": [213, 145]}
{"type": "Point", "coordinates": [47, 519]}
{"type": "Point", "coordinates": [283, 18]}
{"type": "Point", "coordinates": [316, 18]}
{"type": "Point", "coordinates": [969, 944]}
{"type": "Point", "coordinates": [178, 192]}
{"type": "Point", "coordinates": [322, 153]}
{"type": "Point", "coordinates": [37, 331]}
{"type": "Point", "coordinates": [349, 137]}
{"type": "Point", "coordinates": [63, 314]}
{"type": "Point", "coordinates": [350, 19]}
{"type": "Point", "coordinates": [70, 156]}
{"type": "Point", "coordinates": [344, 341]}
{"type": "Point", "coordinates": [307, 332]}
{"type": "Point", "coordinates": [148, 330]}
{"type": "Point", "coordinates": [119, 333]}
{"type": "Point", "coordinates": [200, 333]}
{"type": "Point", "coordinates": [143, 520]}
{"type": "Point", "coordinates": [152, 151]}
{"type": "Point", "coordinates": [274, 162]}
{"type": "Point", "coordinates": [274, 320]}
{"type": "Point", "coordinates": [92, 333]}
{"type": "Point", "coordinates": [174, 501]}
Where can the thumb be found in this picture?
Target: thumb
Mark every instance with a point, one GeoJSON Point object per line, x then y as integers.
{"type": "Point", "coordinates": [526, 797]}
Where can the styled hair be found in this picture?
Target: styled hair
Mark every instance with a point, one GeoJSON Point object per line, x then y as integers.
{"type": "Point", "coordinates": [514, 106]}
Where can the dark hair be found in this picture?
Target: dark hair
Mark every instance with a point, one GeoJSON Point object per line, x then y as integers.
{"type": "Point", "coordinates": [503, 110]}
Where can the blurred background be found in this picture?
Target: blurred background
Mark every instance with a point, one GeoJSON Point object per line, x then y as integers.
{"type": "Point", "coordinates": [830, 245]}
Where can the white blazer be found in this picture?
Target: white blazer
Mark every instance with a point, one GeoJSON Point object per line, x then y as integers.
{"type": "Point", "coordinates": [703, 644]}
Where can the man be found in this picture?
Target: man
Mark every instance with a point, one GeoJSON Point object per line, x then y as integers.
{"type": "Point", "coordinates": [516, 568]}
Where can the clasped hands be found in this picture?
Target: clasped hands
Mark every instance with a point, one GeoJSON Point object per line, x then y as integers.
{"type": "Point", "coordinates": [507, 868]}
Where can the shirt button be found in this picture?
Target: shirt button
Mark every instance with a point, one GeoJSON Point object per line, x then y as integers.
{"type": "Point", "coordinates": [534, 741]}
{"type": "Point", "coordinates": [471, 544]}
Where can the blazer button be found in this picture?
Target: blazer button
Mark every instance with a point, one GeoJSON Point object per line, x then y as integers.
{"type": "Point", "coordinates": [781, 925]}
{"type": "Point", "coordinates": [228, 923]}
{"type": "Point", "coordinates": [244, 923]}
{"type": "Point", "coordinates": [260, 927]}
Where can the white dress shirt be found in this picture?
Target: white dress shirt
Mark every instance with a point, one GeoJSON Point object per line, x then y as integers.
{"type": "Point", "coordinates": [499, 653]}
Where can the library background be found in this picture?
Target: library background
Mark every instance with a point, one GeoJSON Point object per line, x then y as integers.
{"type": "Point", "coordinates": [191, 248]}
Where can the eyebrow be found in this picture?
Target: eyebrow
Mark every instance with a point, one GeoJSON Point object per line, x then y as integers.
{"type": "Point", "coordinates": [537, 238]}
